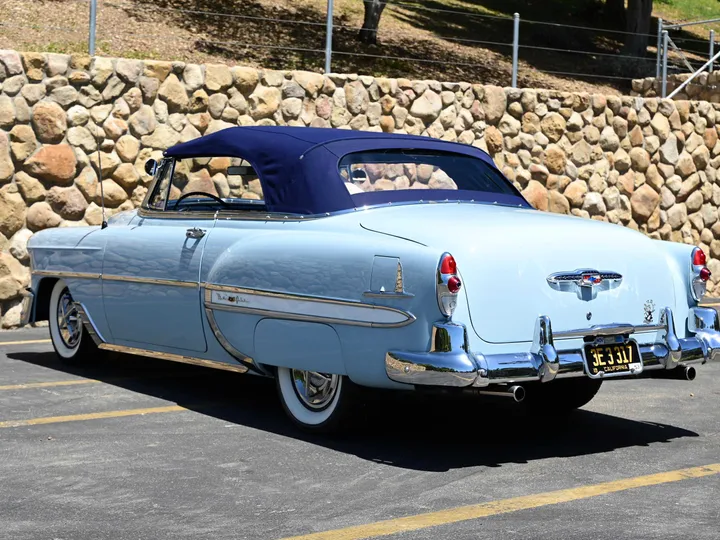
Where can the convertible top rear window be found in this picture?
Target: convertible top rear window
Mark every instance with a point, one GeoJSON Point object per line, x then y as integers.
{"type": "Point", "coordinates": [393, 170]}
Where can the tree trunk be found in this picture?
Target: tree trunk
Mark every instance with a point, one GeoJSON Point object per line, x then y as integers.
{"type": "Point", "coordinates": [373, 11]}
{"type": "Point", "coordinates": [638, 16]}
{"type": "Point", "coordinates": [614, 13]}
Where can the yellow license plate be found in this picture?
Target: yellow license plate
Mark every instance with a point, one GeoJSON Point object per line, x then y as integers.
{"type": "Point", "coordinates": [610, 359]}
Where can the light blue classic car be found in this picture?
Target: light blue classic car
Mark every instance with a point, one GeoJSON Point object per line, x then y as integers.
{"type": "Point", "coordinates": [334, 260]}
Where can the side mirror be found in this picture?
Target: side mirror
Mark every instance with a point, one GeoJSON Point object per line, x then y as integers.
{"type": "Point", "coordinates": [151, 166]}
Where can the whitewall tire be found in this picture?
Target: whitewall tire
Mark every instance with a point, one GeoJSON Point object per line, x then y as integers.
{"type": "Point", "coordinates": [71, 343]}
{"type": "Point", "coordinates": [316, 402]}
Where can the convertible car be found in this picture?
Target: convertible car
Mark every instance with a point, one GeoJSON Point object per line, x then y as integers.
{"type": "Point", "coordinates": [334, 260]}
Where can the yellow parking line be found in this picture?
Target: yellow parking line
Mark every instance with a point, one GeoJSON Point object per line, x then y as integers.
{"type": "Point", "coordinates": [90, 416]}
{"type": "Point", "coordinates": [47, 384]}
{"type": "Point", "coordinates": [464, 513]}
{"type": "Point", "coordinates": [25, 342]}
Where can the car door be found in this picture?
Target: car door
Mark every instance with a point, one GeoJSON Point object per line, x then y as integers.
{"type": "Point", "coordinates": [151, 272]}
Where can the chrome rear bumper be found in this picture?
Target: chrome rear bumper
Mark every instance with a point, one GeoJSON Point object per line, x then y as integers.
{"type": "Point", "coordinates": [449, 362]}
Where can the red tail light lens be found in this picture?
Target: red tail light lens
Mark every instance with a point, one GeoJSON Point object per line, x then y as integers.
{"type": "Point", "coordinates": [699, 274]}
{"type": "Point", "coordinates": [448, 284]}
{"type": "Point", "coordinates": [448, 265]}
{"type": "Point", "coordinates": [699, 258]}
{"type": "Point", "coordinates": [454, 284]}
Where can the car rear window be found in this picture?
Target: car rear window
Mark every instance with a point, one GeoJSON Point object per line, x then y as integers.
{"type": "Point", "coordinates": [395, 170]}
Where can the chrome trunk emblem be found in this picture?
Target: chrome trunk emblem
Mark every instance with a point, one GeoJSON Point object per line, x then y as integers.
{"type": "Point", "coordinates": [649, 309]}
{"type": "Point", "coordinates": [585, 282]}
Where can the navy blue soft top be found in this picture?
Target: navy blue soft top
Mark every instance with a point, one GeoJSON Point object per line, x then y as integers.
{"type": "Point", "coordinates": [298, 166]}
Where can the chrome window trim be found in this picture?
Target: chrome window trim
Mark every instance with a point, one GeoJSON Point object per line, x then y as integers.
{"type": "Point", "coordinates": [246, 215]}
{"type": "Point", "coordinates": [164, 214]}
{"type": "Point", "coordinates": [209, 287]}
{"type": "Point", "coordinates": [156, 185]}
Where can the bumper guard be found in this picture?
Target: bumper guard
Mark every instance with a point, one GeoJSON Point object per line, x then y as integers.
{"type": "Point", "coordinates": [449, 362]}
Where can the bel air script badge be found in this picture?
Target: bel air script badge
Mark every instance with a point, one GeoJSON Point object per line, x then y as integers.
{"type": "Point", "coordinates": [585, 282]}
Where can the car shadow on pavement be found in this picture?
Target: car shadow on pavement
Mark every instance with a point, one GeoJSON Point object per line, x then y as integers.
{"type": "Point", "coordinates": [398, 429]}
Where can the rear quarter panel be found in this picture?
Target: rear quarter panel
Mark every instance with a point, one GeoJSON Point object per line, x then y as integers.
{"type": "Point", "coordinates": [329, 258]}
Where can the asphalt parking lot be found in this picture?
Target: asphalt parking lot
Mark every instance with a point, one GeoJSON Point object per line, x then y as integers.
{"type": "Point", "coordinates": [141, 449]}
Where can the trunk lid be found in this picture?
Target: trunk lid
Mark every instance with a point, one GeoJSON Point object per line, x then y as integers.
{"type": "Point", "coordinates": [505, 256]}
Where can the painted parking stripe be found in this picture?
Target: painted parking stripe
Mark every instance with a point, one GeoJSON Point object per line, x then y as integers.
{"type": "Point", "coordinates": [48, 384]}
{"type": "Point", "coordinates": [25, 342]}
{"type": "Point", "coordinates": [505, 506]}
{"type": "Point", "coordinates": [90, 416]}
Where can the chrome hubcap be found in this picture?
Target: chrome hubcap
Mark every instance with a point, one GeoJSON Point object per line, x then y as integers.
{"type": "Point", "coordinates": [315, 390]}
{"type": "Point", "coordinates": [68, 320]}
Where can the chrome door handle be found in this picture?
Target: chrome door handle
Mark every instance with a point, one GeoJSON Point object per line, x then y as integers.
{"type": "Point", "coordinates": [195, 233]}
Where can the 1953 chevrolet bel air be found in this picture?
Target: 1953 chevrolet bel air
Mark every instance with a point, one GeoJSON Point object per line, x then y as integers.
{"type": "Point", "coordinates": [333, 260]}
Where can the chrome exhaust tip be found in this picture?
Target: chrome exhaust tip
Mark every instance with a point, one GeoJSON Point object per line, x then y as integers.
{"type": "Point", "coordinates": [517, 392]}
{"type": "Point", "coordinates": [690, 373]}
{"type": "Point", "coordinates": [680, 373]}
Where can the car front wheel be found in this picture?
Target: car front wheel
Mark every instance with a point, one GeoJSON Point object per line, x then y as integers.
{"type": "Point", "coordinates": [71, 343]}
{"type": "Point", "coordinates": [317, 402]}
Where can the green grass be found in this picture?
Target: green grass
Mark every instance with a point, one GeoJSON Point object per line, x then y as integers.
{"type": "Point", "coordinates": [689, 10]}
{"type": "Point", "coordinates": [62, 47]}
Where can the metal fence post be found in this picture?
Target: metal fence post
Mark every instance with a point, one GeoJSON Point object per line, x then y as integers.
{"type": "Point", "coordinates": [93, 21]}
{"type": "Point", "coordinates": [328, 36]}
{"type": "Point", "coordinates": [712, 49]}
{"type": "Point", "coordinates": [664, 63]}
{"type": "Point", "coordinates": [659, 49]}
{"type": "Point", "coordinates": [516, 46]}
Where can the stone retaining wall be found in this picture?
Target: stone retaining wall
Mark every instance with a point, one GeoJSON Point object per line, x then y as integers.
{"type": "Point", "coordinates": [647, 164]}
{"type": "Point", "coordinates": [705, 87]}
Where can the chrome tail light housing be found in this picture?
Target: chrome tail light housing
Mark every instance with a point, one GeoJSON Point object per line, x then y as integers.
{"type": "Point", "coordinates": [699, 274]}
{"type": "Point", "coordinates": [448, 284]}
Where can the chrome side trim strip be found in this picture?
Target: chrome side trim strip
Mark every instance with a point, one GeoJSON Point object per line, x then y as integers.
{"type": "Point", "coordinates": [69, 248]}
{"type": "Point", "coordinates": [311, 318]}
{"type": "Point", "coordinates": [174, 357]}
{"type": "Point", "coordinates": [63, 273]}
{"type": "Point", "coordinates": [390, 295]}
{"type": "Point", "coordinates": [150, 281]}
{"type": "Point", "coordinates": [232, 351]}
{"type": "Point", "coordinates": [303, 308]}
{"type": "Point", "coordinates": [111, 277]}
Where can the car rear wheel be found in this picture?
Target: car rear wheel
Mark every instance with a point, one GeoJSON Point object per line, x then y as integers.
{"type": "Point", "coordinates": [317, 402]}
{"type": "Point", "coordinates": [71, 343]}
{"type": "Point", "coordinates": [562, 395]}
